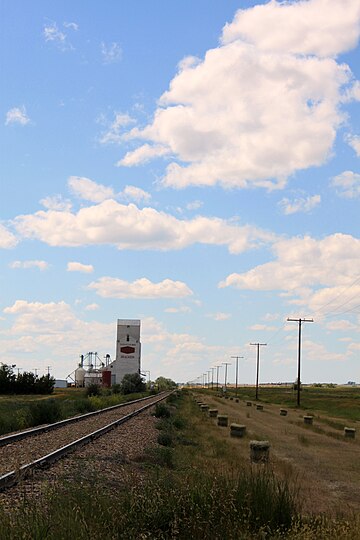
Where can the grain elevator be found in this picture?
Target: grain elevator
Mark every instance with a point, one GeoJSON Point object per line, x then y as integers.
{"type": "Point", "coordinates": [128, 352]}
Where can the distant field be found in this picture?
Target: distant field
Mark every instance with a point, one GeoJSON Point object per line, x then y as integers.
{"type": "Point", "coordinates": [341, 401]}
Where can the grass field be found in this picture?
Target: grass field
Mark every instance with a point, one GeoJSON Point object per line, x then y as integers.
{"type": "Point", "coordinates": [20, 412]}
{"type": "Point", "coordinates": [198, 483]}
{"type": "Point", "coordinates": [341, 401]}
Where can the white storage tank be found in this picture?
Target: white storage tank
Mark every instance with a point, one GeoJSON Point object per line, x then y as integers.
{"type": "Point", "coordinates": [80, 377]}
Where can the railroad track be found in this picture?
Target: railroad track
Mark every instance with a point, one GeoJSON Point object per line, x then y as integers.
{"type": "Point", "coordinates": [23, 452]}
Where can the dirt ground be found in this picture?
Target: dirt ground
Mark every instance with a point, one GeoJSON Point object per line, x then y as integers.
{"type": "Point", "coordinates": [325, 464]}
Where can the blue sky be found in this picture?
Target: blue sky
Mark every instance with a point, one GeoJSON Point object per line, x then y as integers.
{"type": "Point", "coordinates": [191, 164]}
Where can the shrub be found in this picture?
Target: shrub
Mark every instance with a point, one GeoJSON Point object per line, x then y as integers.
{"type": "Point", "coordinates": [84, 405]}
{"type": "Point", "coordinates": [179, 422]}
{"type": "Point", "coordinates": [93, 390]}
{"type": "Point", "coordinates": [131, 383]}
{"type": "Point", "coordinates": [163, 457]}
{"type": "Point", "coordinates": [45, 412]}
{"type": "Point", "coordinates": [116, 388]}
{"type": "Point", "coordinates": [161, 411]}
{"type": "Point", "coordinates": [165, 439]}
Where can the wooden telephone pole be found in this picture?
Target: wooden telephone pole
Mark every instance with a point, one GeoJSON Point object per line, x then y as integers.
{"type": "Point", "coordinates": [299, 321]}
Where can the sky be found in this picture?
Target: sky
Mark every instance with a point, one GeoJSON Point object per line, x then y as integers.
{"type": "Point", "coordinates": [194, 165]}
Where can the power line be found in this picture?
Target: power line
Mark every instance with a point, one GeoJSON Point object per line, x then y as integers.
{"type": "Point", "coordinates": [339, 294]}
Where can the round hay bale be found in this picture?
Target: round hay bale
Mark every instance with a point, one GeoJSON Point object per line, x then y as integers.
{"type": "Point", "coordinates": [237, 400]}
{"type": "Point", "coordinates": [223, 420]}
{"type": "Point", "coordinates": [308, 420]}
{"type": "Point", "coordinates": [248, 404]}
{"type": "Point", "coordinates": [259, 407]}
{"type": "Point", "coordinates": [231, 399]}
{"type": "Point", "coordinates": [259, 451]}
{"type": "Point", "coordinates": [349, 432]}
{"type": "Point", "coordinates": [283, 412]}
{"type": "Point", "coordinates": [213, 413]}
{"type": "Point", "coordinates": [237, 430]}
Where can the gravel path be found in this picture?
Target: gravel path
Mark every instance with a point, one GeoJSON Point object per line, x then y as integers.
{"type": "Point", "coordinates": [109, 459]}
{"type": "Point", "coordinates": [16, 454]}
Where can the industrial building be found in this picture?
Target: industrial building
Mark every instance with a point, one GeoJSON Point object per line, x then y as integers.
{"type": "Point", "coordinates": [128, 352]}
{"type": "Point", "coordinates": [92, 370]}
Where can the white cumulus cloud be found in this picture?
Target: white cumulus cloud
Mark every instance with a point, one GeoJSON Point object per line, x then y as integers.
{"type": "Point", "coordinates": [108, 287]}
{"type": "Point", "coordinates": [79, 267]}
{"type": "Point", "coordinates": [111, 53]}
{"type": "Point", "coordinates": [313, 273]}
{"type": "Point", "coordinates": [300, 204]}
{"type": "Point", "coordinates": [17, 115]}
{"type": "Point", "coordinates": [220, 316]}
{"type": "Point", "coordinates": [354, 142]}
{"type": "Point", "coordinates": [41, 265]}
{"type": "Point", "coordinates": [181, 309]}
{"type": "Point", "coordinates": [87, 189]}
{"type": "Point", "coordinates": [233, 117]}
{"type": "Point", "coordinates": [92, 307]}
{"type": "Point", "coordinates": [133, 193]}
{"type": "Point", "coordinates": [144, 153]}
{"type": "Point", "coordinates": [53, 34]}
{"type": "Point", "coordinates": [115, 132]}
{"type": "Point", "coordinates": [56, 203]}
{"type": "Point", "coordinates": [72, 25]}
{"type": "Point", "coordinates": [347, 184]}
{"type": "Point", "coordinates": [7, 239]}
{"type": "Point", "coordinates": [129, 227]}
{"type": "Point", "coordinates": [310, 27]}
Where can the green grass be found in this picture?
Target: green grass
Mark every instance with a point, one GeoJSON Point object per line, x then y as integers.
{"type": "Point", "coordinates": [341, 401]}
{"type": "Point", "coordinates": [21, 412]}
{"type": "Point", "coordinates": [196, 489]}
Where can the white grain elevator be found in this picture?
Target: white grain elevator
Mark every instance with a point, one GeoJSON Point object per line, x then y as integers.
{"type": "Point", "coordinates": [128, 350]}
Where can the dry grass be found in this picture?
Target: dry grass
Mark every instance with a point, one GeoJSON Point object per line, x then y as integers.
{"type": "Point", "coordinates": [326, 464]}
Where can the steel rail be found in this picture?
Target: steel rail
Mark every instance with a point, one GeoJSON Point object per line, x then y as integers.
{"type": "Point", "coordinates": [11, 478]}
{"type": "Point", "coordinates": [8, 439]}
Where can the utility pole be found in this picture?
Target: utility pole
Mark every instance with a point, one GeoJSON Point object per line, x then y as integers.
{"type": "Point", "coordinates": [208, 379]}
{"type": "Point", "coordinates": [236, 376]}
{"type": "Point", "coordinates": [226, 364]}
{"type": "Point", "coordinates": [48, 371]}
{"type": "Point", "coordinates": [258, 345]}
{"type": "Point", "coordinates": [212, 378]}
{"type": "Point", "coordinates": [299, 321]}
{"type": "Point", "coordinates": [217, 377]}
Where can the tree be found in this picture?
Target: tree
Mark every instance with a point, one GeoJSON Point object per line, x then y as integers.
{"type": "Point", "coordinates": [165, 384]}
{"type": "Point", "coordinates": [44, 385]}
{"type": "Point", "coordinates": [24, 383]}
{"type": "Point", "coordinates": [7, 379]}
{"type": "Point", "coordinates": [131, 383]}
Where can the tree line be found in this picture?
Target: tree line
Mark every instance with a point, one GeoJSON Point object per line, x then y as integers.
{"type": "Point", "coordinates": [24, 383]}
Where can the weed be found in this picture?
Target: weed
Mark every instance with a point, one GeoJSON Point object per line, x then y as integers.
{"type": "Point", "coordinates": [116, 388]}
{"type": "Point", "coordinates": [45, 412]}
{"type": "Point", "coordinates": [162, 457]}
{"type": "Point", "coordinates": [303, 440]}
{"type": "Point", "coordinates": [179, 422]}
{"type": "Point", "coordinates": [161, 411]}
{"type": "Point", "coordinates": [165, 439]}
{"type": "Point", "coordinates": [93, 390]}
